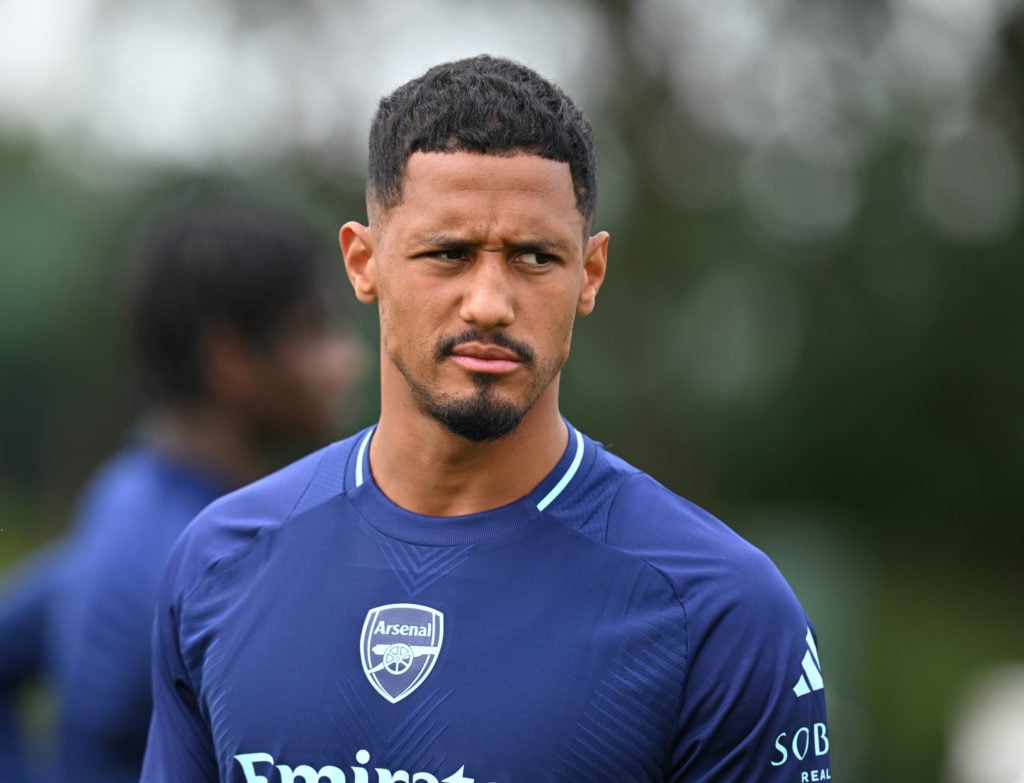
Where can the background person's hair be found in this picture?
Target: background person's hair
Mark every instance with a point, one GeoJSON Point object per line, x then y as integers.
{"type": "Point", "coordinates": [215, 267]}
{"type": "Point", "coordinates": [481, 104]}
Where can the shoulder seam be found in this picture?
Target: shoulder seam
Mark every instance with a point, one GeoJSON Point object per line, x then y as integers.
{"type": "Point", "coordinates": [637, 473]}
{"type": "Point", "coordinates": [305, 489]}
{"type": "Point", "coordinates": [241, 550]}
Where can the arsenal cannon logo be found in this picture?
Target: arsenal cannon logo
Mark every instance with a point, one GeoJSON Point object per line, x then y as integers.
{"type": "Point", "coordinates": [399, 647]}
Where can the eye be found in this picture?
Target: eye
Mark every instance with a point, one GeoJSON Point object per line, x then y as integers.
{"type": "Point", "coordinates": [535, 259]}
{"type": "Point", "coordinates": [447, 255]}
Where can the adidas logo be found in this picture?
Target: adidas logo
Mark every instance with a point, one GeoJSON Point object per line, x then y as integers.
{"type": "Point", "coordinates": [810, 680]}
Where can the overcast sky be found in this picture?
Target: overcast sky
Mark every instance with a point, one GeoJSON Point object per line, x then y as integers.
{"type": "Point", "coordinates": [803, 91]}
{"type": "Point", "coordinates": [190, 79]}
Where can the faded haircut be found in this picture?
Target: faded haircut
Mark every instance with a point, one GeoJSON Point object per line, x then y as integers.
{"type": "Point", "coordinates": [485, 105]}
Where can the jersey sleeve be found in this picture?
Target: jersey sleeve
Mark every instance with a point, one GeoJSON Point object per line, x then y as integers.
{"type": "Point", "coordinates": [751, 703]}
{"type": "Point", "coordinates": [179, 748]}
{"type": "Point", "coordinates": [753, 706]}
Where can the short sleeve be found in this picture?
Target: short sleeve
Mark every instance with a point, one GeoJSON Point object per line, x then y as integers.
{"type": "Point", "coordinates": [753, 706]}
{"type": "Point", "coordinates": [179, 748]}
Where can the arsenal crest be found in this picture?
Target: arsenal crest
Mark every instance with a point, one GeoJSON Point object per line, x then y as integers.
{"type": "Point", "coordinates": [399, 647]}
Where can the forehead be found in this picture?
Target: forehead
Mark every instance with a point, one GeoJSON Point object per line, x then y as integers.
{"type": "Point", "coordinates": [467, 190]}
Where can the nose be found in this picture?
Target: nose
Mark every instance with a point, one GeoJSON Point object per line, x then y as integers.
{"type": "Point", "coordinates": [487, 301]}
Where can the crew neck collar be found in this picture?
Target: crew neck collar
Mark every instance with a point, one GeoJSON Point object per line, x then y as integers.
{"type": "Point", "coordinates": [396, 522]}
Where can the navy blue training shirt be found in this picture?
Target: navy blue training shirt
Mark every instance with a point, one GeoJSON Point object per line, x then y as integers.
{"type": "Point", "coordinates": [599, 629]}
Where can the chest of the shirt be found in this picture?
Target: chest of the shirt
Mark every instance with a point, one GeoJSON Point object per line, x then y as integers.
{"type": "Point", "coordinates": [507, 662]}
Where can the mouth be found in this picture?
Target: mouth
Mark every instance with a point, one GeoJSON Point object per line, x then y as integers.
{"type": "Point", "coordinates": [485, 358]}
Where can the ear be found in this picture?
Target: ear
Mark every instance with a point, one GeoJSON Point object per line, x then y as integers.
{"type": "Point", "coordinates": [595, 263]}
{"type": "Point", "coordinates": [357, 247]}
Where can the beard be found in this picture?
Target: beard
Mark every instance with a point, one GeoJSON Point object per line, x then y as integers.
{"type": "Point", "coordinates": [482, 416]}
{"type": "Point", "coordinates": [479, 418]}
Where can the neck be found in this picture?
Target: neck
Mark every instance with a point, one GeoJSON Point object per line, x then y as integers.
{"type": "Point", "coordinates": [424, 468]}
{"type": "Point", "coordinates": [208, 438]}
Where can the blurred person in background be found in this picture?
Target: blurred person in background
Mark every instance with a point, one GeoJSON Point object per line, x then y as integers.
{"type": "Point", "coordinates": [239, 355]}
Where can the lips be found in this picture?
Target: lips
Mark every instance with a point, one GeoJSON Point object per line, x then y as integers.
{"type": "Point", "coordinates": [485, 351]}
{"type": "Point", "coordinates": [485, 358]}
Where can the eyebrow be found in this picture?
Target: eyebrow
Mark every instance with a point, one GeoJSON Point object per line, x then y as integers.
{"type": "Point", "coordinates": [452, 242]}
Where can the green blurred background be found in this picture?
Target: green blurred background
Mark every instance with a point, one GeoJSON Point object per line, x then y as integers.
{"type": "Point", "coordinates": [812, 323]}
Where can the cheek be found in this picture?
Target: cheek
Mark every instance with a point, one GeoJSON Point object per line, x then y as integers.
{"type": "Point", "coordinates": [389, 310]}
{"type": "Point", "coordinates": [393, 328]}
{"type": "Point", "coordinates": [561, 333]}
{"type": "Point", "coordinates": [407, 324]}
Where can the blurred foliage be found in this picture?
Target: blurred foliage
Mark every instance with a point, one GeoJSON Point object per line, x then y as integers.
{"type": "Point", "coordinates": [824, 348]}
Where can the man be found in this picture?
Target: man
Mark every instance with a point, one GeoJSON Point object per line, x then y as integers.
{"type": "Point", "coordinates": [473, 590]}
{"type": "Point", "coordinates": [235, 343]}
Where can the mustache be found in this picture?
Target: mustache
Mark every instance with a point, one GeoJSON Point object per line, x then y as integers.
{"type": "Point", "coordinates": [448, 344]}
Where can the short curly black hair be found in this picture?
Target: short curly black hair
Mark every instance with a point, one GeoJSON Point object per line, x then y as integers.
{"type": "Point", "coordinates": [211, 266]}
{"type": "Point", "coordinates": [481, 104]}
